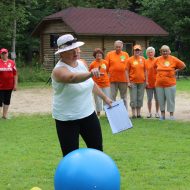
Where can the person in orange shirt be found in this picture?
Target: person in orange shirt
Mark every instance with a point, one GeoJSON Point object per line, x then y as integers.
{"type": "Point", "coordinates": [117, 63]}
{"type": "Point", "coordinates": [167, 66]}
{"type": "Point", "coordinates": [79, 57]}
{"type": "Point", "coordinates": [137, 77]}
{"type": "Point", "coordinates": [102, 81]}
{"type": "Point", "coordinates": [151, 78]}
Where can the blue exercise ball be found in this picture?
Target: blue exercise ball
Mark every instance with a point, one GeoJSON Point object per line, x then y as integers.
{"type": "Point", "coordinates": [87, 169]}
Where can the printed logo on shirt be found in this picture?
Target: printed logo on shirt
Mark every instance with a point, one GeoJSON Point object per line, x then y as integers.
{"type": "Point", "coordinates": [167, 63]}
{"type": "Point", "coordinates": [122, 58]}
{"type": "Point", "coordinates": [103, 66]}
{"type": "Point", "coordinates": [5, 69]}
{"type": "Point", "coordinates": [135, 62]}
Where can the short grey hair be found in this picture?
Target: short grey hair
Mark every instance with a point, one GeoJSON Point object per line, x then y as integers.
{"type": "Point", "coordinates": [165, 47]}
{"type": "Point", "coordinates": [150, 49]}
{"type": "Point", "coordinates": [118, 42]}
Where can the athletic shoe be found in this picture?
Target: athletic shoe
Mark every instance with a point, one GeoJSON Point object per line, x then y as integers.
{"type": "Point", "coordinates": [162, 118]}
{"type": "Point", "coordinates": [157, 115]}
{"type": "Point", "coordinates": [172, 118]}
{"type": "Point", "coordinates": [149, 115]}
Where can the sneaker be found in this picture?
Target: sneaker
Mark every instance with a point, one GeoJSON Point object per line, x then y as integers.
{"type": "Point", "coordinates": [134, 117]}
{"type": "Point", "coordinates": [172, 118]}
{"type": "Point", "coordinates": [162, 118]}
{"type": "Point", "coordinates": [149, 115]}
{"type": "Point", "coordinates": [157, 115]}
{"type": "Point", "coordinates": [139, 116]}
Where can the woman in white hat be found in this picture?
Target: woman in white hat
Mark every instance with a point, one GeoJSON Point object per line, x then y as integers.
{"type": "Point", "coordinates": [73, 107]}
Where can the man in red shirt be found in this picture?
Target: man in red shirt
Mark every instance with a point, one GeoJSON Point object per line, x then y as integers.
{"type": "Point", "coordinates": [8, 81]}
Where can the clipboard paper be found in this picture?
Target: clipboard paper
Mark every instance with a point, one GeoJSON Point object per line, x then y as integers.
{"type": "Point", "coordinates": [118, 117]}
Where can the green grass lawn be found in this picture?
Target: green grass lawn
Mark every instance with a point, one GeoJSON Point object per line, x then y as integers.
{"type": "Point", "coordinates": [153, 155]}
{"type": "Point", "coordinates": [183, 84]}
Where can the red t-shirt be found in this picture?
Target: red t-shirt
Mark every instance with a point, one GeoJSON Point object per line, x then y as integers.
{"type": "Point", "coordinates": [7, 73]}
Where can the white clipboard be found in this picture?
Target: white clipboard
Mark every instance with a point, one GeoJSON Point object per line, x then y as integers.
{"type": "Point", "coordinates": [118, 117]}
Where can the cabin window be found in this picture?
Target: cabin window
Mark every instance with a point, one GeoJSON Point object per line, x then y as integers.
{"type": "Point", "coordinates": [128, 47]}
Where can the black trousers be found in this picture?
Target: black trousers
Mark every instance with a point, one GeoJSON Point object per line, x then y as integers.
{"type": "Point", "coordinates": [5, 97]}
{"type": "Point", "coordinates": [89, 128]}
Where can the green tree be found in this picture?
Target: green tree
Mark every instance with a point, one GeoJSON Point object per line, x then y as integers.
{"type": "Point", "coordinates": [174, 17]}
{"type": "Point", "coordinates": [9, 13]}
{"type": "Point", "coordinates": [19, 17]}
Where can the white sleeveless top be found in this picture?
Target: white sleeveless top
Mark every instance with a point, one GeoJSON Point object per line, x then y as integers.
{"type": "Point", "coordinates": [72, 101]}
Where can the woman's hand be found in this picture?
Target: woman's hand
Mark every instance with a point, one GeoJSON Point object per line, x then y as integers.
{"type": "Point", "coordinates": [15, 88]}
{"type": "Point", "coordinates": [130, 84]}
{"type": "Point", "coordinates": [146, 84]}
{"type": "Point", "coordinates": [108, 101]}
{"type": "Point", "coordinates": [95, 72]}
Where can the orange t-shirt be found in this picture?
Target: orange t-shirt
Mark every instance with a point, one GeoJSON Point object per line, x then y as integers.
{"type": "Point", "coordinates": [136, 69]}
{"type": "Point", "coordinates": [117, 64]}
{"type": "Point", "coordinates": [103, 80]}
{"type": "Point", "coordinates": [165, 68]}
{"type": "Point", "coordinates": [151, 71]}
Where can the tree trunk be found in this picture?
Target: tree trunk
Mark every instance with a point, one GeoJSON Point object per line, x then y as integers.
{"type": "Point", "coordinates": [13, 53]}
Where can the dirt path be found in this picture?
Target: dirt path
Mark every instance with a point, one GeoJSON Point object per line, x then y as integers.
{"type": "Point", "coordinates": [31, 101]}
{"type": "Point", "coordinates": [38, 100]}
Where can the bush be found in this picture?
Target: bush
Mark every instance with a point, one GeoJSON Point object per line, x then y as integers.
{"type": "Point", "coordinates": [33, 73]}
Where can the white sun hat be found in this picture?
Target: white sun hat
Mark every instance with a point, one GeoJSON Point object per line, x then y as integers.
{"type": "Point", "coordinates": [67, 42]}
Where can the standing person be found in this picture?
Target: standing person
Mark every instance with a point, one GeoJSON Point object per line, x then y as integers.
{"type": "Point", "coordinates": [102, 81]}
{"type": "Point", "coordinates": [137, 77]}
{"type": "Point", "coordinates": [117, 63]}
{"type": "Point", "coordinates": [151, 77]}
{"type": "Point", "coordinates": [73, 108]}
{"type": "Point", "coordinates": [8, 81]}
{"type": "Point", "coordinates": [79, 57]}
{"type": "Point", "coordinates": [167, 66]}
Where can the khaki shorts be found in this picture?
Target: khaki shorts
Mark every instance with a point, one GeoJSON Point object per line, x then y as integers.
{"type": "Point", "coordinates": [137, 95]}
{"type": "Point", "coordinates": [166, 96]}
{"type": "Point", "coordinates": [122, 88]}
{"type": "Point", "coordinates": [150, 93]}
